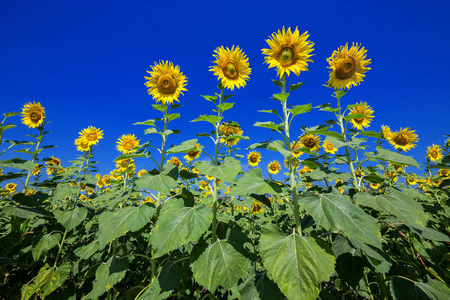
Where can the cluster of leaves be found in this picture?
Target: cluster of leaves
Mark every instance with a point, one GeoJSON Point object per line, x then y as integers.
{"type": "Point", "coordinates": [175, 233]}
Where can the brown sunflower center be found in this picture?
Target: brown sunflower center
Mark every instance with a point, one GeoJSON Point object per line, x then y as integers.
{"type": "Point", "coordinates": [273, 167]}
{"type": "Point", "coordinates": [253, 158]}
{"type": "Point", "coordinates": [330, 147]}
{"type": "Point", "coordinates": [345, 68]}
{"type": "Point", "coordinates": [167, 84]}
{"type": "Point", "coordinates": [309, 142]}
{"type": "Point", "coordinates": [359, 120]}
{"type": "Point", "coordinates": [401, 140]}
{"type": "Point", "coordinates": [128, 145]}
{"type": "Point", "coordinates": [35, 116]}
{"type": "Point", "coordinates": [434, 154]}
{"type": "Point", "coordinates": [230, 70]}
{"type": "Point", "coordinates": [286, 56]}
{"type": "Point", "coordinates": [91, 136]}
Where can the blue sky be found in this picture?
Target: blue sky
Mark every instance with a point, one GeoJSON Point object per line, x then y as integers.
{"type": "Point", "coordinates": [85, 61]}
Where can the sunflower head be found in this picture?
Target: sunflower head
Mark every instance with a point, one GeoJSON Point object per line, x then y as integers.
{"type": "Point", "coordinates": [434, 152]}
{"type": "Point", "coordinates": [254, 158]}
{"type": "Point", "coordinates": [10, 188]}
{"type": "Point", "coordinates": [231, 67]}
{"type": "Point", "coordinates": [174, 160]}
{"type": "Point", "coordinates": [296, 153]}
{"type": "Point", "coordinates": [404, 139]}
{"type": "Point", "coordinates": [289, 51]}
{"type": "Point", "coordinates": [411, 180]}
{"type": "Point", "coordinates": [91, 135]}
{"type": "Point", "coordinates": [194, 154]}
{"type": "Point", "coordinates": [230, 128]}
{"type": "Point", "coordinates": [127, 144]}
{"type": "Point", "coordinates": [386, 131]}
{"type": "Point", "coordinates": [82, 145]}
{"type": "Point", "coordinates": [347, 66]}
{"type": "Point", "coordinates": [33, 114]}
{"type": "Point", "coordinates": [364, 109]}
{"type": "Point", "coordinates": [257, 207]}
{"type": "Point", "coordinates": [328, 147]}
{"type": "Point", "coordinates": [166, 82]}
{"type": "Point", "coordinates": [274, 167]}
{"type": "Point", "coordinates": [310, 141]}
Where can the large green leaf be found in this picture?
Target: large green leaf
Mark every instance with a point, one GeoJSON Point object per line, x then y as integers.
{"type": "Point", "coordinates": [114, 224]}
{"type": "Point", "coordinates": [178, 225]}
{"type": "Point", "coordinates": [338, 211]}
{"type": "Point", "coordinates": [183, 147]}
{"type": "Point", "coordinates": [18, 163]}
{"type": "Point", "coordinates": [297, 263]}
{"type": "Point", "coordinates": [25, 212]}
{"type": "Point", "coordinates": [71, 218]}
{"type": "Point", "coordinates": [49, 279]}
{"type": "Point", "coordinates": [396, 158]}
{"type": "Point", "coordinates": [107, 275]}
{"type": "Point", "coordinates": [88, 250]}
{"type": "Point", "coordinates": [65, 190]}
{"type": "Point", "coordinates": [253, 183]}
{"type": "Point", "coordinates": [300, 109]}
{"type": "Point", "coordinates": [208, 118]}
{"type": "Point", "coordinates": [163, 182]}
{"type": "Point", "coordinates": [226, 172]}
{"type": "Point", "coordinates": [258, 286]}
{"type": "Point", "coordinates": [399, 204]}
{"type": "Point", "coordinates": [220, 265]}
{"type": "Point", "coordinates": [47, 242]}
{"type": "Point", "coordinates": [402, 289]}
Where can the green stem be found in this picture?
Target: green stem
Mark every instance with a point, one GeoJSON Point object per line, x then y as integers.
{"type": "Point", "coordinates": [60, 247]}
{"type": "Point", "coordinates": [382, 285]}
{"type": "Point", "coordinates": [39, 140]}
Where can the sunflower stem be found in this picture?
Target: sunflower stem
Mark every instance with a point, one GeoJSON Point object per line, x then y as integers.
{"type": "Point", "coordinates": [39, 140]}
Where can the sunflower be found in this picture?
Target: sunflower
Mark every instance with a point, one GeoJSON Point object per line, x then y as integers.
{"type": "Point", "coordinates": [304, 170]}
{"type": "Point", "coordinates": [166, 82]}
{"type": "Point", "coordinates": [411, 180]}
{"type": "Point", "coordinates": [375, 186]}
{"type": "Point", "coordinates": [434, 152]}
{"type": "Point", "coordinates": [10, 188]}
{"type": "Point", "coordinates": [91, 135]}
{"type": "Point", "coordinates": [257, 207]}
{"type": "Point", "coordinates": [310, 141]}
{"type": "Point", "coordinates": [347, 66]}
{"type": "Point", "coordinates": [54, 162]}
{"type": "Point", "coordinates": [141, 172]}
{"type": "Point", "coordinates": [82, 145]}
{"type": "Point", "coordinates": [107, 180]}
{"type": "Point", "coordinates": [386, 131]}
{"type": "Point", "coordinates": [231, 67]}
{"type": "Point", "coordinates": [254, 158]}
{"type": "Point", "coordinates": [174, 160]}
{"type": "Point", "coordinates": [230, 128]}
{"type": "Point", "coordinates": [328, 147]}
{"type": "Point", "coordinates": [296, 153]}
{"type": "Point", "coordinates": [127, 144]}
{"type": "Point", "coordinates": [194, 154]}
{"type": "Point", "coordinates": [289, 51]}
{"type": "Point", "coordinates": [37, 170]}
{"type": "Point", "coordinates": [33, 114]}
{"type": "Point", "coordinates": [274, 167]}
{"type": "Point", "coordinates": [365, 109]}
{"type": "Point", "coordinates": [403, 139]}
{"type": "Point", "coordinates": [444, 173]}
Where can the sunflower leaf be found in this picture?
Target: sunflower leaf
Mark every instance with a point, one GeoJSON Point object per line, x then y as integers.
{"type": "Point", "coordinates": [226, 172]}
{"type": "Point", "coordinates": [280, 97]}
{"type": "Point", "coordinates": [300, 109]}
{"type": "Point", "coordinates": [150, 122]}
{"type": "Point", "coordinates": [386, 155]}
{"type": "Point", "coordinates": [371, 134]}
{"type": "Point", "coordinates": [160, 107]}
{"type": "Point", "coordinates": [277, 82]}
{"type": "Point", "coordinates": [11, 114]}
{"type": "Point", "coordinates": [162, 182]}
{"type": "Point", "coordinates": [225, 106]}
{"type": "Point", "coordinates": [272, 111]}
{"type": "Point", "coordinates": [185, 146]}
{"type": "Point", "coordinates": [208, 118]}
{"type": "Point", "coordinates": [279, 146]}
{"type": "Point", "coordinates": [172, 117]}
{"type": "Point", "coordinates": [354, 116]}
{"type": "Point", "coordinates": [210, 98]}
{"type": "Point", "coordinates": [253, 183]}
{"type": "Point", "coordinates": [270, 125]}
{"type": "Point", "coordinates": [405, 289]}
{"type": "Point", "coordinates": [295, 86]}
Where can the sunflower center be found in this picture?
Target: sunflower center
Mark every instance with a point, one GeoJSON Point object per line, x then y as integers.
{"type": "Point", "coordinates": [253, 158]}
{"type": "Point", "coordinates": [167, 84]}
{"type": "Point", "coordinates": [359, 120]}
{"type": "Point", "coordinates": [309, 142]}
{"type": "Point", "coordinates": [345, 68]}
{"type": "Point", "coordinates": [128, 146]}
{"type": "Point", "coordinates": [401, 140]}
{"type": "Point", "coordinates": [286, 56]}
{"type": "Point", "coordinates": [330, 147]}
{"type": "Point", "coordinates": [273, 167]}
{"type": "Point", "coordinates": [91, 136]}
{"type": "Point", "coordinates": [434, 154]}
{"type": "Point", "coordinates": [35, 116]}
{"type": "Point", "coordinates": [230, 70]}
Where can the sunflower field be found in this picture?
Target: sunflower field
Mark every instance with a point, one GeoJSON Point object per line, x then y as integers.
{"type": "Point", "coordinates": [345, 221]}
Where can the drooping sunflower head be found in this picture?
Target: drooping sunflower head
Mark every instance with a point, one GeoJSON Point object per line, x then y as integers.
{"type": "Point", "coordinates": [91, 135]}
{"type": "Point", "coordinates": [444, 173]}
{"type": "Point", "coordinates": [127, 143]}
{"type": "Point", "coordinates": [254, 158]}
{"type": "Point", "coordinates": [174, 160]}
{"type": "Point", "coordinates": [328, 147]}
{"type": "Point", "coordinates": [289, 51]}
{"type": "Point", "coordinates": [53, 161]}
{"type": "Point", "coordinates": [229, 129]}
{"type": "Point", "coordinates": [347, 66]}
{"type": "Point", "coordinates": [274, 167]}
{"type": "Point", "coordinates": [434, 152]}
{"type": "Point", "coordinates": [33, 114]}
{"type": "Point", "coordinates": [194, 154]}
{"type": "Point", "coordinates": [231, 67]}
{"type": "Point", "coordinates": [364, 109]}
{"type": "Point", "coordinates": [386, 131]}
{"type": "Point", "coordinates": [166, 82]}
{"type": "Point", "coordinates": [310, 141]}
{"type": "Point", "coordinates": [404, 139]}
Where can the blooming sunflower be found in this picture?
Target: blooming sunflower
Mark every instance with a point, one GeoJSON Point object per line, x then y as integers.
{"type": "Point", "coordinates": [127, 143]}
{"type": "Point", "coordinates": [274, 167]}
{"type": "Point", "coordinates": [194, 154]}
{"type": "Point", "coordinates": [174, 160]}
{"type": "Point", "coordinates": [10, 188]}
{"type": "Point", "coordinates": [289, 51]}
{"type": "Point", "coordinates": [365, 109]}
{"type": "Point", "coordinates": [166, 82]}
{"type": "Point", "coordinates": [434, 152]}
{"type": "Point", "coordinates": [294, 146]}
{"type": "Point", "coordinates": [142, 172]}
{"type": "Point", "coordinates": [257, 207]}
{"type": "Point", "coordinates": [254, 158]}
{"type": "Point", "coordinates": [82, 145]}
{"type": "Point", "coordinates": [304, 170]}
{"type": "Point", "coordinates": [347, 66]}
{"type": "Point", "coordinates": [33, 114]}
{"type": "Point", "coordinates": [54, 162]}
{"type": "Point", "coordinates": [403, 139]}
{"type": "Point", "coordinates": [231, 67]}
{"type": "Point", "coordinates": [386, 131]}
{"type": "Point", "coordinates": [91, 135]}
{"type": "Point", "coordinates": [230, 128]}
{"type": "Point", "coordinates": [328, 147]}
{"type": "Point", "coordinates": [310, 141]}
{"type": "Point", "coordinates": [411, 180]}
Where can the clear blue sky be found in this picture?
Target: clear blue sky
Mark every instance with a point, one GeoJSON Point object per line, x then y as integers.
{"type": "Point", "coordinates": [85, 61]}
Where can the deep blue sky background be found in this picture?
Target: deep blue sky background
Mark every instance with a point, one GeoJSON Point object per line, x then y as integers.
{"type": "Point", "coordinates": [85, 61]}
